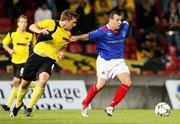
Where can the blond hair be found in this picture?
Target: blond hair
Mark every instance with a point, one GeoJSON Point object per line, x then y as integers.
{"type": "Point", "coordinates": [68, 15]}
{"type": "Point", "coordinates": [22, 16]}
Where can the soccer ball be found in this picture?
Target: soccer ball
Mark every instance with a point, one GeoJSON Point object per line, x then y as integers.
{"type": "Point", "coordinates": [162, 109]}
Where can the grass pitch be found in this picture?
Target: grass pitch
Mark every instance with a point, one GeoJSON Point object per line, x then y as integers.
{"type": "Point", "coordinates": [133, 116]}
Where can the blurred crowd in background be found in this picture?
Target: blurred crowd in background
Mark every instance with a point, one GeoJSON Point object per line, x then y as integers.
{"type": "Point", "coordinates": [154, 33]}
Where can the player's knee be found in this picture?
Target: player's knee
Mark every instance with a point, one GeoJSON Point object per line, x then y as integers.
{"type": "Point", "coordinates": [99, 86]}
{"type": "Point", "coordinates": [24, 84]}
{"type": "Point", "coordinates": [128, 82]}
{"type": "Point", "coordinates": [16, 82]}
{"type": "Point", "coordinates": [42, 84]}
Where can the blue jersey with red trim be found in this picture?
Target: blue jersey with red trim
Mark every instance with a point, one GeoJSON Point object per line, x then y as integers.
{"type": "Point", "coordinates": [110, 44]}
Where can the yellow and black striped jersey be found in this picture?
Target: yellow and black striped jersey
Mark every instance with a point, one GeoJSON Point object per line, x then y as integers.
{"type": "Point", "coordinates": [50, 44]}
{"type": "Point", "coordinates": [21, 42]}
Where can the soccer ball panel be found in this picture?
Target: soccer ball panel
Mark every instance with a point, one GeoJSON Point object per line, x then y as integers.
{"type": "Point", "coordinates": [162, 109]}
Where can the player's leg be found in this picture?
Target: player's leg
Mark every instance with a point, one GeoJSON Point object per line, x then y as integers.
{"type": "Point", "coordinates": [45, 72]}
{"type": "Point", "coordinates": [38, 91]}
{"type": "Point", "coordinates": [13, 94]}
{"type": "Point", "coordinates": [32, 84]}
{"type": "Point", "coordinates": [22, 90]}
{"type": "Point", "coordinates": [15, 84]}
{"type": "Point", "coordinates": [30, 70]}
{"type": "Point", "coordinates": [18, 68]}
{"type": "Point", "coordinates": [120, 93]}
{"type": "Point", "coordinates": [93, 90]}
{"type": "Point", "coordinates": [122, 90]}
{"type": "Point", "coordinates": [102, 75]}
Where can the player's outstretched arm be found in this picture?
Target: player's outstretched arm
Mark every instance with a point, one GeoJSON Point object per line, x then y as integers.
{"type": "Point", "coordinates": [36, 29]}
{"type": "Point", "coordinates": [79, 37]}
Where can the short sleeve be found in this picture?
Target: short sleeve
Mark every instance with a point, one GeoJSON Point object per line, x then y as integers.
{"type": "Point", "coordinates": [46, 24]}
{"type": "Point", "coordinates": [34, 39]}
{"type": "Point", "coordinates": [124, 28]}
{"type": "Point", "coordinates": [7, 40]}
{"type": "Point", "coordinates": [95, 34]}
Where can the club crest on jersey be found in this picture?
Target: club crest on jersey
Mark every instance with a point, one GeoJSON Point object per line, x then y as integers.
{"type": "Point", "coordinates": [109, 34]}
{"type": "Point", "coordinates": [123, 34]}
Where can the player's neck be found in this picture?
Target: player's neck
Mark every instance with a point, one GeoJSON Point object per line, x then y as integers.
{"type": "Point", "coordinates": [110, 27]}
{"type": "Point", "coordinates": [63, 25]}
{"type": "Point", "coordinates": [20, 30]}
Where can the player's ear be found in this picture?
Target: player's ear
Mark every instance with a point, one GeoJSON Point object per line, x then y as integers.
{"type": "Point", "coordinates": [67, 21]}
{"type": "Point", "coordinates": [110, 19]}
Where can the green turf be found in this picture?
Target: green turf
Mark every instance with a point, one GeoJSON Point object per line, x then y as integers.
{"type": "Point", "coordinates": [95, 117]}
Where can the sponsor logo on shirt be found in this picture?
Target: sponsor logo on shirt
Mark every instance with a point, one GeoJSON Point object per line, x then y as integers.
{"type": "Point", "coordinates": [109, 33]}
{"type": "Point", "coordinates": [21, 44]}
{"type": "Point", "coordinates": [115, 41]}
{"type": "Point", "coordinates": [123, 34]}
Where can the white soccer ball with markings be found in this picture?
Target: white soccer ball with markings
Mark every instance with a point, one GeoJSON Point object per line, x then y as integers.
{"type": "Point", "coordinates": [162, 109]}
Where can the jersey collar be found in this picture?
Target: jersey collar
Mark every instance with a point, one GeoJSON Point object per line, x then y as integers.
{"type": "Point", "coordinates": [108, 27]}
{"type": "Point", "coordinates": [60, 23]}
{"type": "Point", "coordinates": [20, 31]}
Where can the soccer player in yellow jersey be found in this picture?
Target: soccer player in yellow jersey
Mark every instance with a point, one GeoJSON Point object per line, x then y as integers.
{"type": "Point", "coordinates": [21, 41]}
{"type": "Point", "coordinates": [54, 36]}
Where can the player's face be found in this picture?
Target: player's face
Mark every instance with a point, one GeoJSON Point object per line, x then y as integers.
{"type": "Point", "coordinates": [70, 24]}
{"type": "Point", "coordinates": [116, 22]}
{"type": "Point", "coordinates": [22, 24]}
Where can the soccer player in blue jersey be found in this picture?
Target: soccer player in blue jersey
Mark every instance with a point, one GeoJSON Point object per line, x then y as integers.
{"type": "Point", "coordinates": [110, 62]}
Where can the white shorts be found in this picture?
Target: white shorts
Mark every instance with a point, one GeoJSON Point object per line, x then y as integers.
{"type": "Point", "coordinates": [109, 69]}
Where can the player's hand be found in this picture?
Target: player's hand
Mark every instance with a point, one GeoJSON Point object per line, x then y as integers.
{"type": "Point", "coordinates": [45, 31]}
{"type": "Point", "coordinates": [10, 51]}
{"type": "Point", "coordinates": [73, 39]}
{"type": "Point", "coordinates": [60, 55]}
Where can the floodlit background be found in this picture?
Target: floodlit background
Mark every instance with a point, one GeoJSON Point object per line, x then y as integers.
{"type": "Point", "coordinates": [152, 52]}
